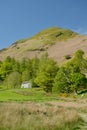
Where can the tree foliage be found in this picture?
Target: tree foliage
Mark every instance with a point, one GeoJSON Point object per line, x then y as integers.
{"type": "Point", "coordinates": [13, 80]}
{"type": "Point", "coordinates": [71, 77]}
{"type": "Point", "coordinates": [78, 81]}
{"type": "Point", "coordinates": [61, 81]}
{"type": "Point", "coordinates": [46, 74]}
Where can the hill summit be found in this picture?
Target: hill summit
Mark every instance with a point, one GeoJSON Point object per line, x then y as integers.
{"type": "Point", "coordinates": [57, 42]}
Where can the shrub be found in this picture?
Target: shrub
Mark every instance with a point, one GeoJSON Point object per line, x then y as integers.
{"type": "Point", "coordinates": [67, 57]}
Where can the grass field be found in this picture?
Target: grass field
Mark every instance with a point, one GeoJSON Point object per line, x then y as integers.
{"type": "Point", "coordinates": [37, 116]}
{"type": "Point", "coordinates": [25, 95]}
{"type": "Point", "coordinates": [34, 94]}
{"type": "Point", "coordinates": [33, 109]}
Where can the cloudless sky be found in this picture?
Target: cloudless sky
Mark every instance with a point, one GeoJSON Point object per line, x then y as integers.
{"type": "Point", "coordinates": [24, 18]}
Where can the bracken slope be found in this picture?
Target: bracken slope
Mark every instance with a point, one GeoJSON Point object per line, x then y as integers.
{"type": "Point", "coordinates": [57, 42]}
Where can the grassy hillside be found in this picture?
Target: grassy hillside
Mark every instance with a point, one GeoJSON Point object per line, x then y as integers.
{"type": "Point", "coordinates": [57, 42]}
{"type": "Point", "coordinates": [50, 36]}
{"type": "Point", "coordinates": [38, 44]}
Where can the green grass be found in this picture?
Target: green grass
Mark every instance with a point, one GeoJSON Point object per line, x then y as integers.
{"type": "Point", "coordinates": [42, 40]}
{"type": "Point", "coordinates": [25, 95]}
{"type": "Point", "coordinates": [49, 37]}
{"type": "Point", "coordinates": [34, 94]}
{"type": "Point", "coordinates": [38, 113]}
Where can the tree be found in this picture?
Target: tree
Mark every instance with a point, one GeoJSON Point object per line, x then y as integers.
{"type": "Point", "coordinates": [67, 57]}
{"type": "Point", "coordinates": [7, 66]}
{"type": "Point", "coordinates": [79, 61]}
{"type": "Point", "coordinates": [67, 81]}
{"type": "Point", "coordinates": [34, 69]}
{"type": "Point", "coordinates": [23, 65]}
{"type": "Point", "coordinates": [26, 75]}
{"type": "Point", "coordinates": [78, 81]}
{"type": "Point", "coordinates": [30, 70]}
{"type": "Point", "coordinates": [16, 67]}
{"type": "Point", "coordinates": [13, 80]}
{"type": "Point", "coordinates": [8, 59]}
{"type": "Point", "coordinates": [61, 81]}
{"type": "Point", "coordinates": [46, 74]}
{"type": "Point", "coordinates": [5, 69]}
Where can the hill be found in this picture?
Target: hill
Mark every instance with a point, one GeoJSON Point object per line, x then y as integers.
{"type": "Point", "coordinates": [56, 41]}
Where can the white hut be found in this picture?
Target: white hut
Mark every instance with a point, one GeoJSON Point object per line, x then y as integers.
{"type": "Point", "coordinates": [26, 84]}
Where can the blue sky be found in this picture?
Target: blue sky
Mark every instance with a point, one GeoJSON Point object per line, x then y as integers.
{"type": "Point", "coordinates": [24, 18]}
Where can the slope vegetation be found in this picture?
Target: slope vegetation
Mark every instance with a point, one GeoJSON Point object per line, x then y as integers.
{"type": "Point", "coordinates": [56, 41]}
